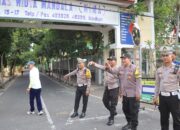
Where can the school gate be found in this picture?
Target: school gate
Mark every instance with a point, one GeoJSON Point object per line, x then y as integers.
{"type": "Point", "coordinates": [86, 15]}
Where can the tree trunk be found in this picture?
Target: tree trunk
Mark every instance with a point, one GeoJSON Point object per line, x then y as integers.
{"type": "Point", "coordinates": [12, 69]}
{"type": "Point", "coordinates": [2, 67]}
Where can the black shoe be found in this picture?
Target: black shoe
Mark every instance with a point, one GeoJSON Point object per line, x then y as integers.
{"type": "Point", "coordinates": [110, 122]}
{"type": "Point", "coordinates": [74, 115]}
{"type": "Point", "coordinates": [126, 127]}
{"type": "Point", "coordinates": [82, 115]}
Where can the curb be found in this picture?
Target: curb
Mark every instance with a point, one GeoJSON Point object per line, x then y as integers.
{"type": "Point", "coordinates": [2, 86]}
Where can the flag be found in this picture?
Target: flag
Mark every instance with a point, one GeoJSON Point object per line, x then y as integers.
{"type": "Point", "coordinates": [131, 26]}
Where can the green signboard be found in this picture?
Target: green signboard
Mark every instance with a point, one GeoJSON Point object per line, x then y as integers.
{"type": "Point", "coordinates": [148, 87]}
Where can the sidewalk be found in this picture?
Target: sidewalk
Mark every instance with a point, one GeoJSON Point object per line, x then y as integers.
{"type": "Point", "coordinates": [5, 81]}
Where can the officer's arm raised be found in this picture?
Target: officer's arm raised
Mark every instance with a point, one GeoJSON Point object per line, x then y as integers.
{"type": "Point", "coordinates": [70, 74]}
{"type": "Point", "coordinates": [96, 65]}
{"type": "Point", "coordinates": [99, 66]}
{"type": "Point", "coordinates": [114, 70]}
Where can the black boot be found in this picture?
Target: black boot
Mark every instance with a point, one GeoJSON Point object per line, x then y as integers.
{"type": "Point", "coordinates": [74, 115]}
{"type": "Point", "coordinates": [127, 126]}
{"type": "Point", "coordinates": [110, 122]}
{"type": "Point", "coordinates": [82, 115]}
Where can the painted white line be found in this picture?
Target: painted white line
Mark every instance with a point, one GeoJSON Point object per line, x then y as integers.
{"type": "Point", "coordinates": [69, 120]}
{"type": "Point", "coordinates": [50, 121]}
{"type": "Point", "coordinates": [150, 109]}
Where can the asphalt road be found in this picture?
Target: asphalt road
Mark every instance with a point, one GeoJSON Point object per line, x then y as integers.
{"type": "Point", "coordinates": [58, 102]}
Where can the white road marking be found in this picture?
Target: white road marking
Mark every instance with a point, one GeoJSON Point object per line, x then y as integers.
{"type": "Point", "coordinates": [69, 120]}
{"type": "Point", "coordinates": [50, 121]}
{"type": "Point", "coordinates": [149, 109]}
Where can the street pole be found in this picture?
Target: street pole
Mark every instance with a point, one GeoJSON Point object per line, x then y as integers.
{"type": "Point", "coordinates": [137, 46]}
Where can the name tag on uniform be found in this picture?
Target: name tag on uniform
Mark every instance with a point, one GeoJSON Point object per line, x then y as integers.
{"type": "Point", "coordinates": [165, 94]}
{"type": "Point", "coordinates": [175, 93]}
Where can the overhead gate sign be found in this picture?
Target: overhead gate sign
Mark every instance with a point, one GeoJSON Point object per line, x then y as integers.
{"type": "Point", "coordinates": [65, 11]}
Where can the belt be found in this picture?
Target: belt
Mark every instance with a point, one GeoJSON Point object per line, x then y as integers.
{"type": "Point", "coordinates": [167, 94]}
{"type": "Point", "coordinates": [80, 85]}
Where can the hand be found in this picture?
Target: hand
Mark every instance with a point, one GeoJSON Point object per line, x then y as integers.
{"type": "Point", "coordinates": [120, 94]}
{"type": "Point", "coordinates": [91, 63]}
{"type": "Point", "coordinates": [155, 101]}
{"type": "Point", "coordinates": [28, 90]}
{"type": "Point", "coordinates": [65, 77]}
{"type": "Point", "coordinates": [138, 97]}
{"type": "Point", "coordinates": [87, 93]}
{"type": "Point", "coordinates": [107, 66]}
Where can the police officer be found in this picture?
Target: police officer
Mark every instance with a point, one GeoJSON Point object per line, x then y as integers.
{"type": "Point", "coordinates": [130, 80]}
{"type": "Point", "coordinates": [111, 92]}
{"type": "Point", "coordinates": [168, 91]}
{"type": "Point", "coordinates": [83, 86]}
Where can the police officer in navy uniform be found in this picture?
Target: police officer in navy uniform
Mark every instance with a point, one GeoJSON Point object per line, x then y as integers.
{"type": "Point", "coordinates": [130, 79]}
{"type": "Point", "coordinates": [168, 91]}
{"type": "Point", "coordinates": [83, 86]}
{"type": "Point", "coordinates": [111, 92]}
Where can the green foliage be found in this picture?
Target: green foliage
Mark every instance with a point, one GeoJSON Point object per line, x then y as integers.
{"type": "Point", "coordinates": [63, 43]}
{"type": "Point", "coordinates": [5, 40]}
{"type": "Point", "coordinates": [164, 11]}
{"type": "Point", "coordinates": [5, 45]}
{"type": "Point", "coordinates": [22, 44]}
{"type": "Point", "coordinates": [139, 7]}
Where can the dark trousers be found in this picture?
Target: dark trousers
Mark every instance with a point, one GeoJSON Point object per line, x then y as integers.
{"type": "Point", "coordinates": [169, 105]}
{"type": "Point", "coordinates": [35, 94]}
{"type": "Point", "coordinates": [131, 109]}
{"type": "Point", "coordinates": [110, 100]}
{"type": "Point", "coordinates": [81, 91]}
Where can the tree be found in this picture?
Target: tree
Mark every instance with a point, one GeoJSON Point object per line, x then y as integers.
{"type": "Point", "coordinates": [5, 42]}
{"type": "Point", "coordinates": [21, 49]}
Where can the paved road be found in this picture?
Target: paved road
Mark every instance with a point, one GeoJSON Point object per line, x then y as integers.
{"type": "Point", "coordinates": [58, 101]}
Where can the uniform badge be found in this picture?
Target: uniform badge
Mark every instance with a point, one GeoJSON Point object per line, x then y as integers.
{"type": "Point", "coordinates": [137, 73]}
{"type": "Point", "coordinates": [88, 74]}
